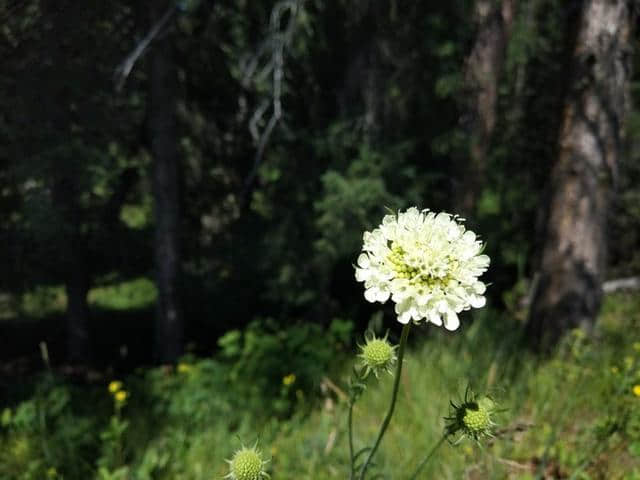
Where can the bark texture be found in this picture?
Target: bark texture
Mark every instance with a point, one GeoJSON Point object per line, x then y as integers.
{"type": "Point", "coordinates": [569, 287]}
{"type": "Point", "coordinates": [494, 20]}
{"type": "Point", "coordinates": [164, 147]}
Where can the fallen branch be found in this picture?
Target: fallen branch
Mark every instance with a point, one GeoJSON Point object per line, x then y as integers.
{"type": "Point", "coordinates": [631, 283]}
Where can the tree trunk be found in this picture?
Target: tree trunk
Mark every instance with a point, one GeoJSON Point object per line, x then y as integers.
{"type": "Point", "coordinates": [483, 69]}
{"type": "Point", "coordinates": [164, 147]}
{"type": "Point", "coordinates": [569, 288]}
{"type": "Point", "coordinates": [77, 287]}
{"type": "Point", "coordinates": [70, 242]}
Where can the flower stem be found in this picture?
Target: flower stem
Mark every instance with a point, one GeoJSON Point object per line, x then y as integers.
{"type": "Point", "coordinates": [394, 395]}
{"type": "Point", "coordinates": [350, 423]}
{"type": "Point", "coordinates": [428, 457]}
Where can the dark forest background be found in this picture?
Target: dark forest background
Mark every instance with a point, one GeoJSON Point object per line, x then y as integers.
{"type": "Point", "coordinates": [181, 177]}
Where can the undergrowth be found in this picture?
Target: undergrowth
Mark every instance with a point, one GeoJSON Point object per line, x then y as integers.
{"type": "Point", "coordinates": [573, 414]}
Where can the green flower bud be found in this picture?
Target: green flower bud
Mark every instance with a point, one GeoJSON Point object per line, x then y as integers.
{"type": "Point", "coordinates": [476, 420]}
{"type": "Point", "coordinates": [247, 464]}
{"type": "Point", "coordinates": [472, 418]}
{"type": "Point", "coordinates": [377, 354]}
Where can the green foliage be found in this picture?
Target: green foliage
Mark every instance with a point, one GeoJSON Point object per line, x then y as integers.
{"type": "Point", "coordinates": [41, 437]}
{"type": "Point", "coordinates": [349, 203]}
{"type": "Point", "coordinates": [110, 463]}
{"type": "Point", "coordinates": [373, 105]}
{"type": "Point", "coordinates": [43, 301]}
{"type": "Point", "coordinates": [274, 367]}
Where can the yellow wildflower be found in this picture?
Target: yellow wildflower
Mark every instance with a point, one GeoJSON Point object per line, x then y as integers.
{"type": "Point", "coordinates": [115, 386]}
{"type": "Point", "coordinates": [289, 379]}
{"type": "Point", "coordinates": [121, 396]}
{"type": "Point", "coordinates": [636, 390]}
{"type": "Point", "coordinates": [184, 367]}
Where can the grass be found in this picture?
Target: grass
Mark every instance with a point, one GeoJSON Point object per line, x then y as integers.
{"type": "Point", "coordinates": [44, 301]}
{"type": "Point", "coordinates": [570, 415]}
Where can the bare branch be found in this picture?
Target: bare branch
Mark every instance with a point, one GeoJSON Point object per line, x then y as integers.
{"type": "Point", "coordinates": [255, 119]}
{"type": "Point", "coordinates": [274, 46]}
{"type": "Point", "coordinates": [124, 69]}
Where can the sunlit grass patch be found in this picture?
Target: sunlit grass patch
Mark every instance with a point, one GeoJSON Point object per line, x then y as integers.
{"type": "Point", "coordinates": [47, 300]}
{"type": "Point", "coordinates": [128, 295]}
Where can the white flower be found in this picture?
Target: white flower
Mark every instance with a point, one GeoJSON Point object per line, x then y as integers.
{"type": "Point", "coordinates": [427, 263]}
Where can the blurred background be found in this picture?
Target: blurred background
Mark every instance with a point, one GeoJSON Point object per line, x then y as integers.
{"type": "Point", "coordinates": [183, 191]}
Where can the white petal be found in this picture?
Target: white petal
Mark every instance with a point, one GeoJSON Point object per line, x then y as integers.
{"type": "Point", "coordinates": [423, 299]}
{"type": "Point", "coordinates": [479, 288]}
{"type": "Point", "coordinates": [477, 301]}
{"type": "Point", "coordinates": [362, 275]}
{"type": "Point", "coordinates": [435, 318]}
{"type": "Point", "coordinates": [451, 320]}
{"type": "Point", "coordinates": [371, 294]}
{"type": "Point", "coordinates": [363, 260]}
{"type": "Point", "coordinates": [469, 236]}
{"type": "Point", "coordinates": [383, 295]}
{"type": "Point", "coordinates": [482, 261]}
{"type": "Point", "coordinates": [403, 309]}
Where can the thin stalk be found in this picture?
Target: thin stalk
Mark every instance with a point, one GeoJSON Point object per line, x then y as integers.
{"type": "Point", "coordinates": [394, 395]}
{"type": "Point", "coordinates": [428, 457]}
{"type": "Point", "coordinates": [350, 428]}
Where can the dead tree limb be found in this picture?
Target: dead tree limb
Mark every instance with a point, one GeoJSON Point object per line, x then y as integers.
{"type": "Point", "coordinates": [272, 52]}
{"type": "Point", "coordinates": [124, 69]}
{"type": "Point", "coordinates": [631, 283]}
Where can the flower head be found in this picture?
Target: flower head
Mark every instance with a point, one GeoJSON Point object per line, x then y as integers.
{"type": "Point", "coordinates": [184, 367]}
{"type": "Point", "coordinates": [115, 386]}
{"type": "Point", "coordinates": [427, 263]}
{"type": "Point", "coordinates": [247, 464]}
{"type": "Point", "coordinates": [472, 418]}
{"type": "Point", "coordinates": [636, 390]}
{"type": "Point", "coordinates": [377, 354]}
{"type": "Point", "coordinates": [289, 380]}
{"type": "Point", "coordinates": [121, 397]}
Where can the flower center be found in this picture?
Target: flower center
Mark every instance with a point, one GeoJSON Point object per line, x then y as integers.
{"type": "Point", "coordinates": [429, 274]}
{"type": "Point", "coordinates": [377, 352]}
{"type": "Point", "coordinates": [476, 420]}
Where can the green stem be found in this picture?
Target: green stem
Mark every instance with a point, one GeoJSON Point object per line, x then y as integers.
{"type": "Point", "coordinates": [394, 395]}
{"type": "Point", "coordinates": [350, 422]}
{"type": "Point", "coordinates": [428, 457]}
